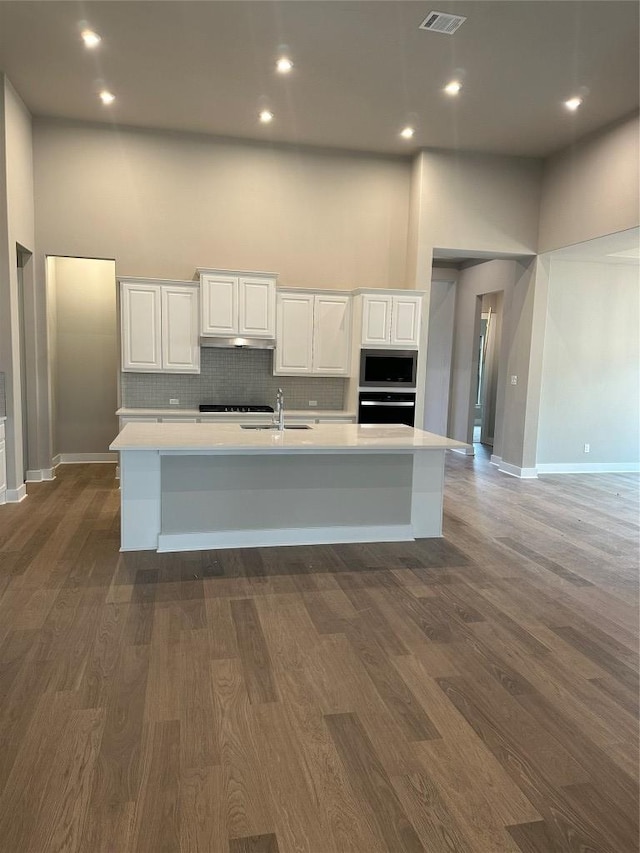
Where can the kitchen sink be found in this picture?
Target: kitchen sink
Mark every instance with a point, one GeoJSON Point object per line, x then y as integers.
{"type": "Point", "coordinates": [271, 426]}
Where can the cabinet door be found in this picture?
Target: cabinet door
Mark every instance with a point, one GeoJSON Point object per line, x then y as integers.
{"type": "Point", "coordinates": [180, 332]}
{"type": "Point", "coordinates": [405, 320]}
{"type": "Point", "coordinates": [331, 335]}
{"type": "Point", "coordinates": [257, 307]}
{"type": "Point", "coordinates": [294, 345]}
{"type": "Point", "coordinates": [376, 319]}
{"type": "Point", "coordinates": [140, 327]}
{"type": "Point", "coordinates": [219, 305]}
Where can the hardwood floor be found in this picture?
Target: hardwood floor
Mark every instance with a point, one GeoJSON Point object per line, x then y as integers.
{"type": "Point", "coordinates": [475, 693]}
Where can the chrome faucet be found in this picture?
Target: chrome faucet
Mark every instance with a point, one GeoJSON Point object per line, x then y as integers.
{"type": "Point", "coordinates": [278, 415]}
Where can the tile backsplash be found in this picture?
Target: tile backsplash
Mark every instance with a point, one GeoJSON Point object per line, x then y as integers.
{"type": "Point", "coordinates": [230, 376]}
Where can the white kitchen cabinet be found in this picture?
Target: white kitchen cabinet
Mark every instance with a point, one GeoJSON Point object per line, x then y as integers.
{"type": "Point", "coordinates": [405, 321]}
{"type": "Point", "coordinates": [141, 326]}
{"type": "Point", "coordinates": [313, 334]}
{"type": "Point", "coordinates": [391, 320]}
{"type": "Point", "coordinates": [294, 339]}
{"type": "Point", "coordinates": [180, 329]}
{"type": "Point", "coordinates": [159, 326]}
{"type": "Point", "coordinates": [376, 320]}
{"type": "Point", "coordinates": [331, 334]}
{"type": "Point", "coordinates": [3, 466]}
{"type": "Point", "coordinates": [237, 304]}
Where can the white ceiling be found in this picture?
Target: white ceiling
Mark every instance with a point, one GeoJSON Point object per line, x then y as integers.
{"type": "Point", "coordinates": [362, 69]}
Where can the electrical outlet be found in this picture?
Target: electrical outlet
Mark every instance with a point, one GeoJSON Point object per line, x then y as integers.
{"type": "Point", "coordinates": [587, 448]}
{"type": "Point", "coordinates": [514, 380]}
{"type": "Point", "coordinates": [313, 403]}
{"type": "Point", "coordinates": [173, 401]}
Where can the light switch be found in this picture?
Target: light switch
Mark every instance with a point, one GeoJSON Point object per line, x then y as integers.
{"type": "Point", "coordinates": [514, 380]}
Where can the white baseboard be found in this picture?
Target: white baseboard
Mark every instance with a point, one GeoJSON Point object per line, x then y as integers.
{"type": "Point", "coordinates": [589, 468]}
{"type": "Point", "coordinates": [566, 468]}
{"type": "Point", "coordinates": [287, 536]}
{"type": "Point", "coordinates": [464, 451]}
{"type": "Point", "coordinates": [14, 496]}
{"type": "Point", "coordinates": [515, 471]}
{"type": "Point", "coordinates": [83, 458]}
{"type": "Point", "coordinates": [38, 475]}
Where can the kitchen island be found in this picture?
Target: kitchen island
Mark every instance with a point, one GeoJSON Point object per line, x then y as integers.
{"type": "Point", "coordinates": [198, 486]}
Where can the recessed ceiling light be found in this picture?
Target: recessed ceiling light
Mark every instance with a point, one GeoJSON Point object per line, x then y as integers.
{"type": "Point", "coordinates": [266, 116]}
{"type": "Point", "coordinates": [107, 97]}
{"type": "Point", "coordinates": [453, 88]}
{"type": "Point", "coordinates": [90, 38]}
{"type": "Point", "coordinates": [407, 132]}
{"type": "Point", "coordinates": [573, 103]}
{"type": "Point", "coordinates": [284, 65]}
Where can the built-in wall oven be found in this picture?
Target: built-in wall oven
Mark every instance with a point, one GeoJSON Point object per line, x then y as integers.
{"type": "Point", "coordinates": [383, 372]}
{"type": "Point", "coordinates": [387, 407]}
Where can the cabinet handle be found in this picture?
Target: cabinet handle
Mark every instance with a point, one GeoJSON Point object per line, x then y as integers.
{"type": "Point", "coordinates": [374, 403]}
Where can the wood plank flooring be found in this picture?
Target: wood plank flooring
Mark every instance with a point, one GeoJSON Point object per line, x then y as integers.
{"type": "Point", "coordinates": [474, 693]}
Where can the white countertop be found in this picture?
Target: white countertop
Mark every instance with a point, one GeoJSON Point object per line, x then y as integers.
{"type": "Point", "coordinates": [321, 438]}
{"type": "Point", "coordinates": [174, 412]}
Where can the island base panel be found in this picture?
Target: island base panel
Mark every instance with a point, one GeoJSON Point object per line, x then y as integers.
{"type": "Point", "coordinates": [139, 500]}
{"type": "Point", "coordinates": [194, 502]}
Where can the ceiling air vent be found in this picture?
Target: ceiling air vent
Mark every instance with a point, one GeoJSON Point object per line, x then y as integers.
{"type": "Point", "coordinates": [441, 22]}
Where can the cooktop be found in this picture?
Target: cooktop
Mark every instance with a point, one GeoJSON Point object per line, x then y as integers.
{"type": "Point", "coordinates": [224, 407]}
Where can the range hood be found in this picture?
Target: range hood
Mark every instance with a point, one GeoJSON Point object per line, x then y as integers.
{"type": "Point", "coordinates": [238, 343]}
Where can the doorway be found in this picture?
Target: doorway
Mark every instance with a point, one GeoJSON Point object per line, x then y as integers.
{"type": "Point", "coordinates": [488, 335]}
{"type": "Point", "coordinates": [81, 299]}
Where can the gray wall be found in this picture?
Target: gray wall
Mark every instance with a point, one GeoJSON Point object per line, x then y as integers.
{"type": "Point", "coordinates": [16, 227]}
{"type": "Point", "coordinates": [86, 357]}
{"type": "Point", "coordinates": [163, 204]}
{"type": "Point", "coordinates": [591, 365]}
{"type": "Point", "coordinates": [591, 189]}
{"type": "Point", "coordinates": [473, 204]}
{"type": "Point", "coordinates": [439, 352]}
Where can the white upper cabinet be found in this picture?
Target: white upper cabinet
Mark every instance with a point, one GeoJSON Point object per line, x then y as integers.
{"type": "Point", "coordinates": [256, 307]}
{"type": "Point", "coordinates": [376, 320]}
{"type": "Point", "coordinates": [219, 305]}
{"type": "Point", "coordinates": [237, 304]}
{"type": "Point", "coordinates": [391, 320]}
{"type": "Point", "coordinates": [141, 314]}
{"type": "Point", "coordinates": [405, 321]}
{"type": "Point", "coordinates": [159, 327]}
{"type": "Point", "coordinates": [314, 332]}
{"type": "Point", "coordinates": [294, 343]}
{"type": "Point", "coordinates": [331, 334]}
{"type": "Point", "coordinates": [180, 329]}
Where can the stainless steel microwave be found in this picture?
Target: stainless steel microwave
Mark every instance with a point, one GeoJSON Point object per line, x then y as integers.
{"type": "Point", "coordinates": [388, 368]}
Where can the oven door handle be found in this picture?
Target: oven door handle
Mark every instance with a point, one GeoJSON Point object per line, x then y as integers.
{"type": "Point", "coordinates": [395, 405]}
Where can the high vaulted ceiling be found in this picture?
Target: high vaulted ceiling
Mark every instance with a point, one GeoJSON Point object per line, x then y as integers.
{"type": "Point", "coordinates": [362, 70]}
